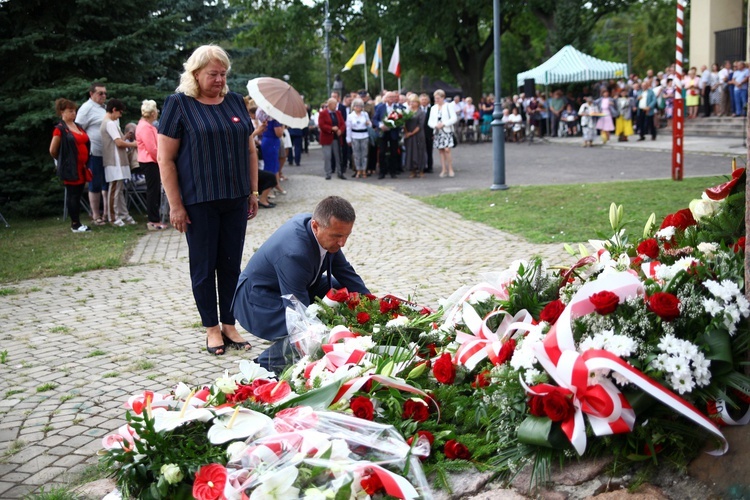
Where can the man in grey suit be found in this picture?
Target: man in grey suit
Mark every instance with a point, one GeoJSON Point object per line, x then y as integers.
{"type": "Point", "coordinates": [302, 258]}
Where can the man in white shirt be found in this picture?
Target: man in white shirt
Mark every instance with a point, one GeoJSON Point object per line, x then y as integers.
{"type": "Point", "coordinates": [725, 90]}
{"type": "Point", "coordinates": [90, 116]}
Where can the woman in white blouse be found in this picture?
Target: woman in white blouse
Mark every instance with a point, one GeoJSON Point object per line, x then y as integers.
{"type": "Point", "coordinates": [442, 118]}
{"type": "Point", "coordinates": [357, 125]}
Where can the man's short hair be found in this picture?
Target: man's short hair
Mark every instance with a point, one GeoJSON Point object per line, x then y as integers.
{"type": "Point", "coordinates": [94, 85]}
{"type": "Point", "coordinates": [115, 104]}
{"type": "Point", "coordinates": [333, 206]}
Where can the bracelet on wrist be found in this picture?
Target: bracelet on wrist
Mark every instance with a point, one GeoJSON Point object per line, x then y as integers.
{"type": "Point", "coordinates": [254, 193]}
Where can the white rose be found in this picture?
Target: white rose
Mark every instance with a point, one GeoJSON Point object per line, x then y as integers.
{"type": "Point", "coordinates": [171, 473]}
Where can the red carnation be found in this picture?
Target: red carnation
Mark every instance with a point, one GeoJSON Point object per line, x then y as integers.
{"type": "Point", "coordinates": [416, 410]}
{"type": "Point", "coordinates": [370, 482]}
{"type": "Point", "coordinates": [649, 248]}
{"type": "Point", "coordinates": [682, 219]}
{"type": "Point", "coordinates": [482, 380]}
{"type": "Point", "coordinates": [209, 482]}
{"type": "Point", "coordinates": [557, 406]}
{"type": "Point", "coordinates": [665, 305]}
{"type": "Point", "coordinates": [506, 352]}
{"type": "Point", "coordinates": [605, 302]}
{"type": "Point", "coordinates": [242, 393]}
{"type": "Point", "coordinates": [444, 370]}
{"type": "Point", "coordinates": [363, 318]}
{"type": "Point", "coordinates": [454, 450]}
{"type": "Point", "coordinates": [362, 407]}
{"type": "Point", "coordinates": [536, 405]}
{"type": "Point", "coordinates": [739, 246]}
{"type": "Point", "coordinates": [552, 311]}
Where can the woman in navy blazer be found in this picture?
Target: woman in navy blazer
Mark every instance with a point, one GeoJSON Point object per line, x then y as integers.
{"type": "Point", "coordinates": [302, 258]}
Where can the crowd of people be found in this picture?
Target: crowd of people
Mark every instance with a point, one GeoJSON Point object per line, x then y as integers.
{"type": "Point", "coordinates": [623, 108]}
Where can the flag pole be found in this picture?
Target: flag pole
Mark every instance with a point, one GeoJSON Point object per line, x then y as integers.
{"type": "Point", "coordinates": [364, 67]}
{"type": "Point", "coordinates": [399, 84]}
{"type": "Point", "coordinates": [382, 70]}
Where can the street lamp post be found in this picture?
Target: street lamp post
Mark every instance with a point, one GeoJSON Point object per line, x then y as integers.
{"type": "Point", "coordinates": [498, 132]}
{"type": "Point", "coordinates": [327, 25]}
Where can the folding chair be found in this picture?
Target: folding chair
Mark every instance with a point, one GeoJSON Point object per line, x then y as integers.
{"type": "Point", "coordinates": [136, 196]}
{"type": "Point", "coordinates": [4, 221]}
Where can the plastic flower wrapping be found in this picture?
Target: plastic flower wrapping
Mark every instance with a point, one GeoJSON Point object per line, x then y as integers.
{"type": "Point", "coordinates": [397, 118]}
{"type": "Point", "coordinates": [637, 351]}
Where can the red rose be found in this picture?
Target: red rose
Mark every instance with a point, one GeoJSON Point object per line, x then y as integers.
{"type": "Point", "coordinates": [242, 393]}
{"type": "Point", "coordinates": [428, 351]}
{"type": "Point", "coordinates": [272, 392]}
{"type": "Point", "coordinates": [665, 305]}
{"type": "Point", "coordinates": [649, 248]}
{"type": "Point", "coordinates": [682, 219]}
{"type": "Point", "coordinates": [739, 246]}
{"type": "Point", "coordinates": [363, 318]}
{"type": "Point", "coordinates": [536, 405]}
{"type": "Point", "coordinates": [605, 302]}
{"type": "Point", "coordinates": [506, 352]}
{"type": "Point", "coordinates": [209, 482]}
{"type": "Point", "coordinates": [552, 311]}
{"type": "Point", "coordinates": [454, 450]}
{"type": "Point", "coordinates": [416, 410]}
{"type": "Point", "coordinates": [370, 482]}
{"type": "Point", "coordinates": [482, 380]}
{"type": "Point", "coordinates": [362, 407]}
{"type": "Point", "coordinates": [444, 370]}
{"type": "Point", "coordinates": [557, 406]}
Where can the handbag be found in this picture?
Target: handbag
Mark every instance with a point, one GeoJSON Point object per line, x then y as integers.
{"type": "Point", "coordinates": [613, 109]}
{"type": "Point", "coordinates": [455, 139]}
{"type": "Point", "coordinates": [373, 135]}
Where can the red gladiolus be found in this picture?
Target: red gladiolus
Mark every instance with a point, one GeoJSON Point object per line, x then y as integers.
{"type": "Point", "coordinates": [649, 248]}
{"type": "Point", "coordinates": [739, 246]}
{"type": "Point", "coordinates": [682, 219]}
{"type": "Point", "coordinates": [209, 482]}
{"type": "Point", "coordinates": [552, 311]}
{"type": "Point", "coordinates": [272, 392]}
{"type": "Point", "coordinates": [454, 450]}
{"type": "Point", "coordinates": [444, 370]}
{"type": "Point", "coordinates": [416, 410]}
{"type": "Point", "coordinates": [362, 407]}
{"type": "Point", "coordinates": [482, 380]}
{"type": "Point", "coordinates": [370, 482]}
{"type": "Point", "coordinates": [557, 406]}
{"type": "Point", "coordinates": [506, 352]}
{"type": "Point", "coordinates": [665, 305]}
{"type": "Point", "coordinates": [363, 318]}
{"type": "Point", "coordinates": [605, 302]}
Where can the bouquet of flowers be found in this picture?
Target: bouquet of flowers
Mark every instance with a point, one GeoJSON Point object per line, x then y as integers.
{"type": "Point", "coordinates": [397, 118]}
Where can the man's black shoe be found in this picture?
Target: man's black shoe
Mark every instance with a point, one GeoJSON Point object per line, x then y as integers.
{"type": "Point", "coordinates": [394, 176]}
{"type": "Point", "coordinates": [328, 177]}
{"type": "Point", "coordinates": [428, 171]}
{"type": "Point", "coordinates": [381, 176]}
{"type": "Point", "coordinates": [342, 177]}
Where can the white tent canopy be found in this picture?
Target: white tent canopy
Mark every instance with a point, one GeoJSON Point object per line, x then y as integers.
{"type": "Point", "coordinates": [571, 65]}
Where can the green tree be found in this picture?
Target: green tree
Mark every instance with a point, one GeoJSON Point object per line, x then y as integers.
{"type": "Point", "coordinates": [50, 50]}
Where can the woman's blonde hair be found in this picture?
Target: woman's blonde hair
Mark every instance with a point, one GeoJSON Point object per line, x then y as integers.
{"type": "Point", "coordinates": [440, 93]}
{"type": "Point", "coordinates": [148, 108]}
{"type": "Point", "coordinates": [199, 59]}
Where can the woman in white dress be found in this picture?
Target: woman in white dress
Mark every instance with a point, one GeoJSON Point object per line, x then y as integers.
{"type": "Point", "coordinates": [116, 164]}
{"type": "Point", "coordinates": [442, 118]}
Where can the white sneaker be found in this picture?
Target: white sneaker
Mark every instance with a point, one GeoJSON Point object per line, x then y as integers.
{"type": "Point", "coordinates": [130, 220]}
{"type": "Point", "coordinates": [118, 223]}
{"type": "Point", "coordinates": [80, 229]}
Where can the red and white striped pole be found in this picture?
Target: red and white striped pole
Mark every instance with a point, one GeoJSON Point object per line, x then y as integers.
{"type": "Point", "coordinates": [678, 110]}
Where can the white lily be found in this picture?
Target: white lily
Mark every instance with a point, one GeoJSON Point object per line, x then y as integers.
{"type": "Point", "coordinates": [167, 420]}
{"type": "Point", "coordinates": [237, 423]}
{"type": "Point", "coordinates": [251, 370]}
{"type": "Point", "coordinates": [277, 486]}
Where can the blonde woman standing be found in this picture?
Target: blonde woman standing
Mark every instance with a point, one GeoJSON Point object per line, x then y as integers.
{"type": "Point", "coordinates": [442, 118]}
{"type": "Point", "coordinates": [146, 138]}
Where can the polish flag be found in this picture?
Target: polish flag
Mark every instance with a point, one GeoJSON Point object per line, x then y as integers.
{"type": "Point", "coordinates": [395, 65]}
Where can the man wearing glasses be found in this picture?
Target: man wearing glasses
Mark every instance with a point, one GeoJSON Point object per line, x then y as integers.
{"type": "Point", "coordinates": [90, 116]}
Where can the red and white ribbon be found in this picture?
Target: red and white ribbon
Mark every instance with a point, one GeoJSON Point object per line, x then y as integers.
{"type": "Point", "coordinates": [603, 403]}
{"type": "Point", "coordinates": [395, 485]}
{"type": "Point", "coordinates": [483, 342]}
{"type": "Point", "coordinates": [348, 389]}
{"type": "Point", "coordinates": [722, 414]}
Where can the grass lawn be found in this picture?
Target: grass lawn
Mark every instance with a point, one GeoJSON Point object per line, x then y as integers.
{"type": "Point", "coordinates": [47, 247]}
{"type": "Point", "coordinates": [576, 212]}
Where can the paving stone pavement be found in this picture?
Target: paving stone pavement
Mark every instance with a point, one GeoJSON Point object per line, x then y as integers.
{"type": "Point", "coordinates": [78, 346]}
